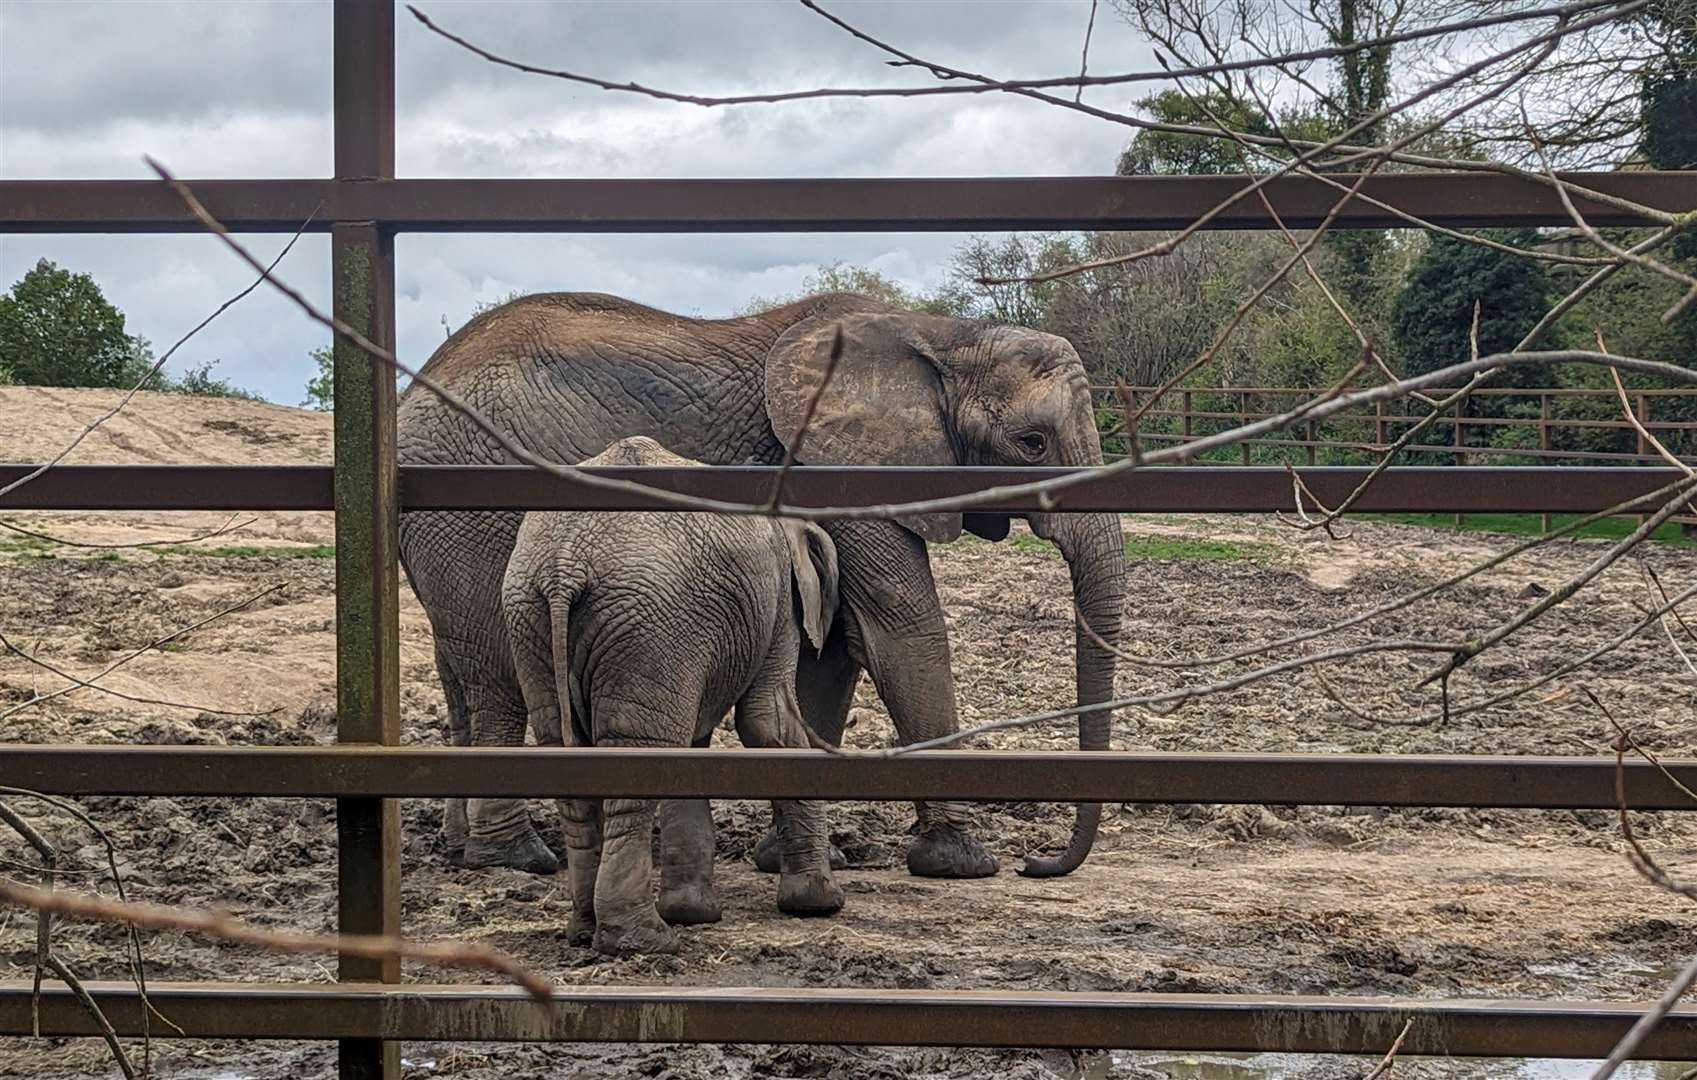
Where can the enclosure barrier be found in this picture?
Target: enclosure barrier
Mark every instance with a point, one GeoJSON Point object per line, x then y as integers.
{"type": "Point", "coordinates": [1166, 424]}
{"type": "Point", "coordinates": [363, 207]}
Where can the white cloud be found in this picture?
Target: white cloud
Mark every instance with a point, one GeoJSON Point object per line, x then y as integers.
{"type": "Point", "coordinates": [243, 90]}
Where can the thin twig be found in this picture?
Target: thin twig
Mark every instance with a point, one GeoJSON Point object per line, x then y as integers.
{"type": "Point", "coordinates": [794, 449]}
{"type": "Point", "coordinates": [7, 645]}
{"type": "Point", "coordinates": [1652, 872]}
{"type": "Point", "coordinates": [225, 928]}
{"type": "Point", "coordinates": [992, 86]}
{"type": "Point", "coordinates": [1084, 59]}
{"type": "Point", "coordinates": [1389, 1060]}
{"type": "Point", "coordinates": [154, 644]}
{"type": "Point", "coordinates": [229, 526]}
{"type": "Point", "coordinates": [95, 424]}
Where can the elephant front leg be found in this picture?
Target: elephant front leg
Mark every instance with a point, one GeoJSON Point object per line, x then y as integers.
{"type": "Point", "coordinates": [895, 629]}
{"type": "Point", "coordinates": [626, 921]}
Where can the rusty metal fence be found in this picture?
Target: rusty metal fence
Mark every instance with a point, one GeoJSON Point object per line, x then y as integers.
{"type": "Point", "coordinates": [1503, 426]}
{"type": "Point", "coordinates": [363, 207]}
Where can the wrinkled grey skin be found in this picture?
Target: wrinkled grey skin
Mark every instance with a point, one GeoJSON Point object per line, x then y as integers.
{"type": "Point", "coordinates": [644, 629]}
{"type": "Point", "coordinates": [567, 374]}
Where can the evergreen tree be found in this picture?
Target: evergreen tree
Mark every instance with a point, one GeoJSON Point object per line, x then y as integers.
{"type": "Point", "coordinates": [1433, 314]}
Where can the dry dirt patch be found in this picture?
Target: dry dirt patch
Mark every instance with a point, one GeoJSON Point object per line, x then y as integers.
{"type": "Point", "coordinates": [1186, 898]}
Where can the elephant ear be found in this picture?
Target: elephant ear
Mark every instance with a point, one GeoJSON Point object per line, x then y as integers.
{"type": "Point", "coordinates": [813, 566]}
{"type": "Point", "coordinates": [884, 403]}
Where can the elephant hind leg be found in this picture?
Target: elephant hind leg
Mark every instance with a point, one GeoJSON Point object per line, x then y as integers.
{"type": "Point", "coordinates": [825, 691]}
{"type": "Point", "coordinates": [580, 822]}
{"type": "Point", "coordinates": [501, 830]}
{"type": "Point", "coordinates": [768, 716]}
{"type": "Point", "coordinates": [457, 730]}
{"type": "Point", "coordinates": [687, 895]}
{"type": "Point", "coordinates": [626, 919]}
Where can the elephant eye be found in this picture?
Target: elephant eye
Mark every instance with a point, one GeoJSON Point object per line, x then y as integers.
{"type": "Point", "coordinates": [1033, 443]}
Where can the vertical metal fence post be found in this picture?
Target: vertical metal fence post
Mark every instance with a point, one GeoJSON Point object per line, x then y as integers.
{"type": "Point", "coordinates": [367, 568]}
{"type": "Point", "coordinates": [1460, 441]}
{"type": "Point", "coordinates": [1243, 418]}
{"type": "Point", "coordinates": [1544, 442]}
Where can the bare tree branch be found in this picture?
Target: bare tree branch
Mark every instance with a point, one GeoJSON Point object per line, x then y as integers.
{"type": "Point", "coordinates": [990, 86]}
{"type": "Point", "coordinates": [222, 926]}
{"type": "Point", "coordinates": [121, 661]}
{"type": "Point", "coordinates": [95, 424]}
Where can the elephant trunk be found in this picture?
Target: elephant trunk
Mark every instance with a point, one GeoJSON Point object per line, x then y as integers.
{"type": "Point", "coordinates": [1095, 554]}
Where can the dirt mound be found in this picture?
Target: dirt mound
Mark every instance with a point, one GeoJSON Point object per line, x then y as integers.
{"type": "Point", "coordinates": [160, 429]}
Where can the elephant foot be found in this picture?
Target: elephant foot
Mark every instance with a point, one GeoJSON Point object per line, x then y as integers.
{"type": "Point", "coordinates": [636, 938]}
{"type": "Point", "coordinates": [808, 895]}
{"type": "Point", "coordinates": [580, 931]}
{"type": "Point", "coordinates": [943, 852]}
{"type": "Point", "coordinates": [768, 858]}
{"type": "Point", "coordinates": [691, 904]}
{"type": "Point", "coordinates": [455, 829]}
{"type": "Point", "coordinates": [524, 852]}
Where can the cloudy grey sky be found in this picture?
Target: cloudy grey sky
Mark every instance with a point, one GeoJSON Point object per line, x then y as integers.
{"type": "Point", "coordinates": [241, 88]}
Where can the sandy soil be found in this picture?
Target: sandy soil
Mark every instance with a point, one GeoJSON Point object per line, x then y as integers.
{"type": "Point", "coordinates": [1180, 898]}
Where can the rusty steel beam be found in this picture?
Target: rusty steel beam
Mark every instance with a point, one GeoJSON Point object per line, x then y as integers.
{"type": "Point", "coordinates": [1457, 200]}
{"type": "Point", "coordinates": [367, 503]}
{"type": "Point", "coordinates": [1547, 783]}
{"type": "Point", "coordinates": [1186, 489]}
{"type": "Point", "coordinates": [676, 1014]}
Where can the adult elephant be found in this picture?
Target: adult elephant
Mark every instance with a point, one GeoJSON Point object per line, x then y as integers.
{"type": "Point", "coordinates": [567, 374]}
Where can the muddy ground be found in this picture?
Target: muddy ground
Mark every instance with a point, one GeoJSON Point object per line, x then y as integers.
{"type": "Point", "coordinates": [1186, 898]}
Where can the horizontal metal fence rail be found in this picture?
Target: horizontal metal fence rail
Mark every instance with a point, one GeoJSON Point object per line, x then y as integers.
{"type": "Point", "coordinates": [1172, 489]}
{"type": "Point", "coordinates": [365, 207]}
{"type": "Point", "coordinates": [999, 1018]}
{"type": "Point", "coordinates": [1456, 200]}
{"type": "Point", "coordinates": [1548, 783]}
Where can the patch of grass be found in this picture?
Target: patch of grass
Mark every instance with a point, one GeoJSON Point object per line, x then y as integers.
{"type": "Point", "coordinates": [249, 551]}
{"type": "Point", "coordinates": [26, 546]}
{"type": "Point", "coordinates": [29, 547]}
{"type": "Point", "coordinates": [1177, 548]}
{"type": "Point", "coordinates": [1531, 525]}
{"type": "Point", "coordinates": [1197, 549]}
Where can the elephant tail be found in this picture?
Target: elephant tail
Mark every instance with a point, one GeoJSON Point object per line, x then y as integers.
{"type": "Point", "coordinates": [538, 617]}
{"type": "Point", "coordinates": [559, 601]}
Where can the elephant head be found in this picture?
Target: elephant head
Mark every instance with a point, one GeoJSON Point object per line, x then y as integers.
{"type": "Point", "coordinates": [909, 389]}
{"type": "Point", "coordinates": [813, 570]}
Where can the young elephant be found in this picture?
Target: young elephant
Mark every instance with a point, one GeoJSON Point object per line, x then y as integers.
{"type": "Point", "coordinates": [644, 629]}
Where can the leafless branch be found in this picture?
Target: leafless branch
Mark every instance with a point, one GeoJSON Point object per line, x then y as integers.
{"type": "Point", "coordinates": [794, 447]}
{"type": "Point", "coordinates": [229, 526]}
{"type": "Point", "coordinates": [1652, 872]}
{"type": "Point", "coordinates": [44, 958]}
{"type": "Point", "coordinates": [158, 365]}
{"type": "Point", "coordinates": [218, 925]}
{"type": "Point", "coordinates": [1084, 59]}
{"type": "Point", "coordinates": [991, 86]}
{"type": "Point", "coordinates": [6, 645]}
{"type": "Point", "coordinates": [1389, 1060]}
{"type": "Point", "coordinates": [126, 658]}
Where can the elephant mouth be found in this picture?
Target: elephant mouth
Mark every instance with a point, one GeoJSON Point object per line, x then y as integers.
{"type": "Point", "coordinates": [987, 526]}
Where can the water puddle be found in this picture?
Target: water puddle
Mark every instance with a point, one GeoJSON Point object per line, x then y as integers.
{"type": "Point", "coordinates": [1295, 1066]}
